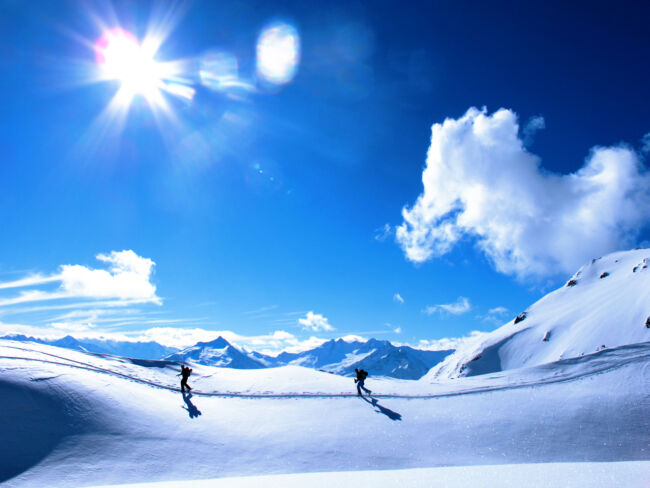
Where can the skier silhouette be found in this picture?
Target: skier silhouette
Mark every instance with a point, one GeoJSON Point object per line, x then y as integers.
{"type": "Point", "coordinates": [186, 371]}
{"type": "Point", "coordinates": [359, 380]}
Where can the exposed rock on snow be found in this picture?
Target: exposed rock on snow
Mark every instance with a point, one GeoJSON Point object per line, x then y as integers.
{"type": "Point", "coordinates": [571, 322]}
{"type": "Point", "coordinates": [520, 317]}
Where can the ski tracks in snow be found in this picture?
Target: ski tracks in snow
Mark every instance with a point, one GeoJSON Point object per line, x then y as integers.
{"type": "Point", "coordinates": [625, 355]}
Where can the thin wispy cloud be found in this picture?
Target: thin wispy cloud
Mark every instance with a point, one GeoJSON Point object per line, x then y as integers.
{"type": "Point", "coordinates": [261, 310]}
{"type": "Point", "coordinates": [398, 298]}
{"type": "Point", "coordinates": [498, 311]}
{"type": "Point", "coordinates": [533, 125]}
{"type": "Point", "coordinates": [30, 280]}
{"type": "Point", "coordinates": [645, 143]}
{"type": "Point", "coordinates": [481, 182]}
{"type": "Point", "coordinates": [128, 277]}
{"type": "Point", "coordinates": [94, 296]}
{"type": "Point", "coordinates": [458, 307]}
{"type": "Point", "coordinates": [447, 343]}
{"type": "Point", "coordinates": [315, 322]}
{"type": "Point", "coordinates": [383, 233]}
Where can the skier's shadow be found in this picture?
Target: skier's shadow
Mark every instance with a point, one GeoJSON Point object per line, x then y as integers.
{"type": "Point", "coordinates": [381, 409]}
{"type": "Point", "coordinates": [191, 408]}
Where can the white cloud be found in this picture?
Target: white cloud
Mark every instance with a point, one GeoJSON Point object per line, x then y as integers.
{"type": "Point", "coordinates": [398, 298]}
{"type": "Point", "coordinates": [450, 342]}
{"type": "Point", "coordinates": [128, 279]}
{"type": "Point", "coordinates": [459, 307]}
{"type": "Point", "coordinates": [316, 322]}
{"type": "Point", "coordinates": [498, 311]}
{"type": "Point", "coordinates": [533, 125]}
{"type": "Point", "coordinates": [645, 141]}
{"type": "Point", "coordinates": [383, 233]}
{"type": "Point", "coordinates": [397, 330]}
{"type": "Point", "coordinates": [30, 280]}
{"type": "Point", "coordinates": [480, 182]}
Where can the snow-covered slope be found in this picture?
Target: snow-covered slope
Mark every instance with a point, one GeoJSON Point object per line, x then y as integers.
{"type": "Point", "coordinates": [217, 353]}
{"type": "Point", "coordinates": [75, 419]}
{"type": "Point", "coordinates": [605, 304]}
{"type": "Point", "coordinates": [380, 358]}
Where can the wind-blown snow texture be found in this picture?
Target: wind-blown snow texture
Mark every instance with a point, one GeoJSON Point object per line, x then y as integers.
{"type": "Point", "coordinates": [604, 305]}
{"type": "Point", "coordinates": [74, 419]}
{"type": "Point", "coordinates": [551, 394]}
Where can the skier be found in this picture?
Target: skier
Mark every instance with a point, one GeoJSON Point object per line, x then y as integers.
{"type": "Point", "coordinates": [359, 380]}
{"type": "Point", "coordinates": [186, 371]}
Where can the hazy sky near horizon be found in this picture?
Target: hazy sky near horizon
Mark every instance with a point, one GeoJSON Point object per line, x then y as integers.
{"type": "Point", "coordinates": [294, 171]}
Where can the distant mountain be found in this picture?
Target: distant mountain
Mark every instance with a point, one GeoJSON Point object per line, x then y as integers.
{"type": "Point", "coordinates": [605, 304]}
{"type": "Point", "coordinates": [380, 358]}
{"type": "Point", "coordinates": [218, 353]}
{"type": "Point", "coordinates": [137, 350]}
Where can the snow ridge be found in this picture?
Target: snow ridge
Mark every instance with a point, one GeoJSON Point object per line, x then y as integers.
{"type": "Point", "coordinates": [605, 304]}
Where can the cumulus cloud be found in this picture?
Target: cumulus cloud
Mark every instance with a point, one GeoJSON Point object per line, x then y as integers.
{"type": "Point", "coordinates": [458, 307]}
{"type": "Point", "coordinates": [480, 182]}
{"type": "Point", "coordinates": [398, 298]}
{"type": "Point", "coordinates": [533, 125]}
{"type": "Point", "coordinates": [645, 141]}
{"type": "Point", "coordinates": [128, 279]}
{"type": "Point", "coordinates": [316, 322]}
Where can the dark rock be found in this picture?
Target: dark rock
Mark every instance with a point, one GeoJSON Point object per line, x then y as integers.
{"type": "Point", "coordinates": [647, 323]}
{"type": "Point", "coordinates": [477, 358]}
{"type": "Point", "coordinates": [604, 275]}
{"type": "Point", "coordinates": [572, 283]}
{"type": "Point", "coordinates": [547, 336]}
{"type": "Point", "coordinates": [520, 317]}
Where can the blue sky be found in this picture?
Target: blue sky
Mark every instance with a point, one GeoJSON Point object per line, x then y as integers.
{"type": "Point", "coordinates": [266, 202]}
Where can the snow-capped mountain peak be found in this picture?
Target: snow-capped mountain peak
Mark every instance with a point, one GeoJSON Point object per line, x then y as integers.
{"type": "Point", "coordinates": [218, 352]}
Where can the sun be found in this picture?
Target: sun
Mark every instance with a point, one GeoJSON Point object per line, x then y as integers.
{"type": "Point", "coordinates": [122, 58]}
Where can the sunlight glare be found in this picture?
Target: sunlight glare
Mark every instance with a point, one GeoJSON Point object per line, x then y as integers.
{"type": "Point", "coordinates": [121, 57]}
{"type": "Point", "coordinates": [278, 53]}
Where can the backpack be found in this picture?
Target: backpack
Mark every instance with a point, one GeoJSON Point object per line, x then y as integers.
{"type": "Point", "coordinates": [363, 374]}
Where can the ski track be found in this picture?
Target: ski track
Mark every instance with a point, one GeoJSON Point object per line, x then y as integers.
{"type": "Point", "coordinates": [525, 384]}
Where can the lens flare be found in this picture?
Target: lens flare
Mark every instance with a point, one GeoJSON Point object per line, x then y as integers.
{"type": "Point", "coordinates": [218, 70]}
{"type": "Point", "coordinates": [278, 53]}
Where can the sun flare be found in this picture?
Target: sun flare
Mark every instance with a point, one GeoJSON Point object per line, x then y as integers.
{"type": "Point", "coordinates": [122, 58]}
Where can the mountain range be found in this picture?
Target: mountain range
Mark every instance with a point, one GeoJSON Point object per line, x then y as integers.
{"type": "Point", "coordinates": [137, 350]}
{"type": "Point", "coordinates": [380, 358]}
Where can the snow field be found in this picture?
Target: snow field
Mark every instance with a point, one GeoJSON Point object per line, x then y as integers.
{"type": "Point", "coordinates": [632, 474]}
{"type": "Point", "coordinates": [83, 420]}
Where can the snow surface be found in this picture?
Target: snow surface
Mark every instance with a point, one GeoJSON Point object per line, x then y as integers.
{"type": "Point", "coordinates": [594, 475]}
{"type": "Point", "coordinates": [76, 419]}
{"type": "Point", "coordinates": [606, 307]}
